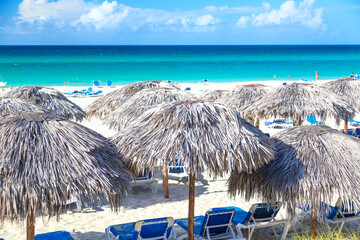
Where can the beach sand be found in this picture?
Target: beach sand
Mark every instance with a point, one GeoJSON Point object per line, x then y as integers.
{"type": "Point", "coordinates": [141, 203]}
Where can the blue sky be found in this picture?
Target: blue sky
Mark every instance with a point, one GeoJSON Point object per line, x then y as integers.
{"type": "Point", "coordinates": [179, 22]}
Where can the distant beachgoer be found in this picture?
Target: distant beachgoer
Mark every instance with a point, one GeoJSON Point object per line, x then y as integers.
{"type": "Point", "coordinates": [317, 75]}
{"type": "Point", "coordinates": [352, 74]}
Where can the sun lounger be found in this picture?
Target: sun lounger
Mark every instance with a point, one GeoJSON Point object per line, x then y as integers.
{"type": "Point", "coordinates": [279, 123]}
{"type": "Point", "coordinates": [89, 90]}
{"type": "Point", "coordinates": [260, 215]}
{"type": "Point", "coordinates": [187, 89]}
{"type": "Point", "coordinates": [151, 229]}
{"type": "Point", "coordinates": [177, 170]}
{"type": "Point", "coordinates": [95, 93]}
{"type": "Point", "coordinates": [312, 120]}
{"type": "Point", "coordinates": [74, 199]}
{"type": "Point", "coordinates": [59, 235]}
{"type": "Point", "coordinates": [216, 224]}
{"type": "Point", "coordinates": [145, 179]}
{"type": "Point", "coordinates": [340, 214]}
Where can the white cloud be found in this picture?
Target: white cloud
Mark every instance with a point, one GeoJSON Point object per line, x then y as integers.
{"type": "Point", "coordinates": [289, 13]}
{"type": "Point", "coordinates": [206, 20]}
{"type": "Point", "coordinates": [243, 21]}
{"type": "Point", "coordinates": [107, 15]}
{"type": "Point", "coordinates": [42, 10]}
{"type": "Point", "coordinates": [266, 5]}
{"type": "Point", "coordinates": [110, 14]}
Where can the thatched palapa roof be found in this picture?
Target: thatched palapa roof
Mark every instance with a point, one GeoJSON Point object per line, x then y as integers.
{"type": "Point", "coordinates": [142, 101]}
{"type": "Point", "coordinates": [205, 135]}
{"type": "Point", "coordinates": [214, 95]}
{"type": "Point", "coordinates": [244, 95]}
{"type": "Point", "coordinates": [14, 105]}
{"type": "Point", "coordinates": [103, 106]}
{"type": "Point", "coordinates": [313, 164]}
{"type": "Point", "coordinates": [346, 88]}
{"type": "Point", "coordinates": [296, 101]}
{"type": "Point", "coordinates": [50, 99]}
{"type": "Point", "coordinates": [44, 159]}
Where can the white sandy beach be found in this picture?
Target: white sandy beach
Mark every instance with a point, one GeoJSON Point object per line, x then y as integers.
{"type": "Point", "coordinates": [141, 203]}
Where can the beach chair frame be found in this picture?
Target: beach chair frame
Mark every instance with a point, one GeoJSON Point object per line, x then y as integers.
{"type": "Point", "coordinates": [145, 181]}
{"type": "Point", "coordinates": [205, 231]}
{"type": "Point", "coordinates": [181, 175]}
{"type": "Point", "coordinates": [270, 221]}
{"type": "Point", "coordinates": [139, 224]}
{"type": "Point", "coordinates": [341, 217]}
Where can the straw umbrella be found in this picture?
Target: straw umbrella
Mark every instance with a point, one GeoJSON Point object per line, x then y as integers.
{"type": "Point", "coordinates": [205, 135]}
{"type": "Point", "coordinates": [50, 99]}
{"type": "Point", "coordinates": [349, 90]}
{"type": "Point", "coordinates": [215, 95]}
{"type": "Point", "coordinates": [44, 159]}
{"type": "Point", "coordinates": [243, 95]}
{"type": "Point", "coordinates": [103, 106]}
{"type": "Point", "coordinates": [312, 164]}
{"type": "Point", "coordinates": [13, 105]}
{"type": "Point", "coordinates": [139, 103]}
{"type": "Point", "coordinates": [297, 101]}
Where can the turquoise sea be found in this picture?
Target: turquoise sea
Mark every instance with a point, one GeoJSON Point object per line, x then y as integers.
{"type": "Point", "coordinates": [54, 65]}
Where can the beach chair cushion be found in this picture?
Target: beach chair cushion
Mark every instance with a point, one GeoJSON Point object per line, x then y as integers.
{"type": "Point", "coordinates": [259, 212]}
{"type": "Point", "coordinates": [150, 228]}
{"type": "Point", "coordinates": [59, 235]}
{"type": "Point", "coordinates": [213, 217]}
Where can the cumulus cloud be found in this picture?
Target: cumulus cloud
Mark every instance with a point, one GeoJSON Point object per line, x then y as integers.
{"type": "Point", "coordinates": [112, 15]}
{"type": "Point", "coordinates": [206, 20]}
{"type": "Point", "coordinates": [107, 15]}
{"type": "Point", "coordinates": [42, 10]}
{"type": "Point", "coordinates": [289, 13]}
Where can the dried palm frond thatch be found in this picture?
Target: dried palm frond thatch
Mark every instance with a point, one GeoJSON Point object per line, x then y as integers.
{"type": "Point", "coordinates": [45, 159]}
{"type": "Point", "coordinates": [313, 164]}
{"type": "Point", "coordinates": [49, 99]}
{"type": "Point", "coordinates": [13, 105]}
{"type": "Point", "coordinates": [297, 101]}
{"type": "Point", "coordinates": [349, 90]}
{"type": "Point", "coordinates": [214, 96]}
{"type": "Point", "coordinates": [103, 106]}
{"type": "Point", "coordinates": [204, 135]}
{"type": "Point", "coordinates": [142, 101]}
{"type": "Point", "coordinates": [244, 94]}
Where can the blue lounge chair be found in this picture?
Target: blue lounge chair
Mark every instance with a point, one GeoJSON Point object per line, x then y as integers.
{"type": "Point", "coordinates": [312, 120]}
{"type": "Point", "coordinates": [59, 235]}
{"type": "Point", "coordinates": [145, 179]}
{"type": "Point", "coordinates": [109, 83]}
{"type": "Point", "coordinates": [95, 93]}
{"type": "Point", "coordinates": [216, 224]}
{"type": "Point", "coordinates": [178, 170]}
{"type": "Point", "coordinates": [89, 90]}
{"type": "Point", "coordinates": [187, 89]}
{"type": "Point", "coordinates": [341, 213]}
{"type": "Point", "coordinates": [151, 229]}
{"type": "Point", "coordinates": [260, 215]}
{"type": "Point", "coordinates": [351, 132]}
{"type": "Point", "coordinates": [96, 83]}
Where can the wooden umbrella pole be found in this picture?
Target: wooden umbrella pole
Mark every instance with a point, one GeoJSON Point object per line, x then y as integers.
{"type": "Point", "coordinates": [191, 205]}
{"type": "Point", "coordinates": [313, 222]}
{"type": "Point", "coordinates": [294, 122]}
{"type": "Point", "coordinates": [30, 226]}
{"type": "Point", "coordinates": [257, 123]}
{"type": "Point", "coordinates": [346, 125]}
{"type": "Point", "coordinates": [299, 121]}
{"type": "Point", "coordinates": [165, 181]}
